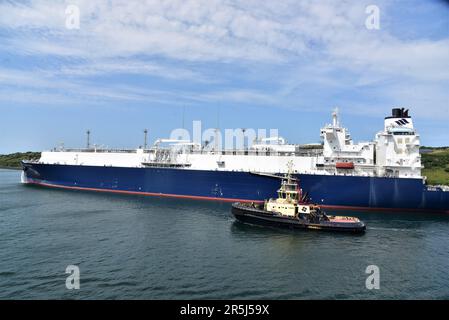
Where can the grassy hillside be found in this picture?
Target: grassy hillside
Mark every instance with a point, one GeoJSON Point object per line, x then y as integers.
{"type": "Point", "coordinates": [13, 160]}
{"type": "Point", "coordinates": [436, 165]}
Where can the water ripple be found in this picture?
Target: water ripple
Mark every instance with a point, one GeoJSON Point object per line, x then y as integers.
{"type": "Point", "coordinates": [154, 248]}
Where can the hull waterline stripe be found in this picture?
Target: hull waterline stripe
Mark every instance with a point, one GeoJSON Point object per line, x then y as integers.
{"type": "Point", "coordinates": [337, 207]}
{"type": "Point", "coordinates": [154, 194]}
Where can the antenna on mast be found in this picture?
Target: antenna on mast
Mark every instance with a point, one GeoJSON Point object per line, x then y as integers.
{"type": "Point", "coordinates": [244, 130]}
{"type": "Point", "coordinates": [88, 139]}
{"type": "Point", "coordinates": [145, 132]}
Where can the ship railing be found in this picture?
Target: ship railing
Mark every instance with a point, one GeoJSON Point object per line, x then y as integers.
{"type": "Point", "coordinates": [249, 152]}
{"type": "Point", "coordinates": [96, 150]}
{"type": "Point", "coordinates": [243, 152]}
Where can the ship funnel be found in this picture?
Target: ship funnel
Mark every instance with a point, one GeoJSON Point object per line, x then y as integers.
{"type": "Point", "coordinates": [399, 119]}
{"type": "Point", "coordinates": [396, 113]}
{"type": "Point", "coordinates": [399, 113]}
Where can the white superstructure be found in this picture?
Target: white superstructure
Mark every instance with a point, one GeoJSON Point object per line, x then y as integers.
{"type": "Point", "coordinates": [394, 152]}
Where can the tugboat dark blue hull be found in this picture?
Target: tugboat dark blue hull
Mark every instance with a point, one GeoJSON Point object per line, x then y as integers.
{"type": "Point", "coordinates": [340, 192]}
{"type": "Point", "coordinates": [253, 215]}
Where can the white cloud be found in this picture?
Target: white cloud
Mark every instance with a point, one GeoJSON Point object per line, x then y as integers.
{"type": "Point", "coordinates": [177, 29]}
{"type": "Point", "coordinates": [40, 86]}
{"type": "Point", "coordinates": [321, 44]}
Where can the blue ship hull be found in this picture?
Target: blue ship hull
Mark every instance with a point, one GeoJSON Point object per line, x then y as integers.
{"type": "Point", "coordinates": [346, 192]}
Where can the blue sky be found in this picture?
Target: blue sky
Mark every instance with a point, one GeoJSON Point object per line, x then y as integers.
{"type": "Point", "coordinates": [285, 65]}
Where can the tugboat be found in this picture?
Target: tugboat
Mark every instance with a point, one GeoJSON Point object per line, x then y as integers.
{"type": "Point", "coordinates": [293, 210]}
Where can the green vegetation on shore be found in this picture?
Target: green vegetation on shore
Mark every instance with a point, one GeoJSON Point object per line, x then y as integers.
{"type": "Point", "coordinates": [435, 161]}
{"type": "Point", "coordinates": [12, 161]}
{"type": "Point", "coordinates": [436, 165]}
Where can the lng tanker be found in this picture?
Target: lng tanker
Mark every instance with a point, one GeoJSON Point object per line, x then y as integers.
{"type": "Point", "coordinates": [383, 174]}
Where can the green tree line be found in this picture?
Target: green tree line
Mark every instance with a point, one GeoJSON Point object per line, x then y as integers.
{"type": "Point", "coordinates": [13, 160]}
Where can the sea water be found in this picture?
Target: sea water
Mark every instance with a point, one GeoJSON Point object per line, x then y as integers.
{"type": "Point", "coordinates": [132, 247]}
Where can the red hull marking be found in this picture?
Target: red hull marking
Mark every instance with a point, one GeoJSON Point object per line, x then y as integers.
{"type": "Point", "coordinates": [153, 194]}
